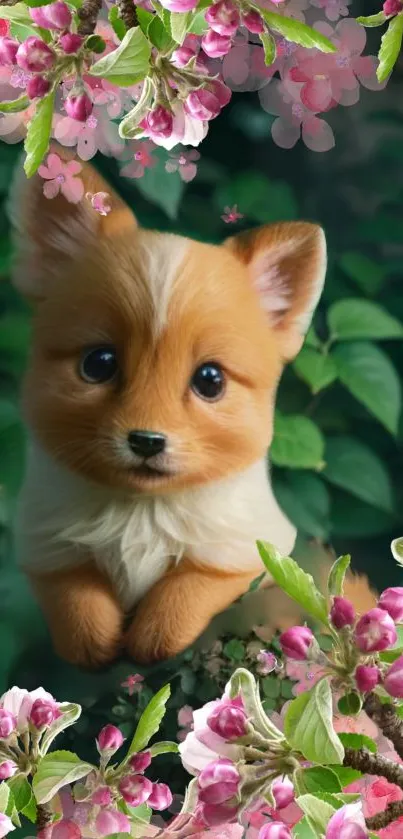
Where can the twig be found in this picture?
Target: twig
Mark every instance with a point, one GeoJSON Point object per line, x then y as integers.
{"type": "Point", "coordinates": [370, 764]}
{"type": "Point", "coordinates": [88, 15]}
{"type": "Point", "coordinates": [8, 2]}
{"type": "Point", "coordinates": [387, 720]}
{"type": "Point", "coordinates": [44, 816]}
{"type": "Point", "coordinates": [127, 12]}
{"type": "Point", "coordinates": [393, 811]}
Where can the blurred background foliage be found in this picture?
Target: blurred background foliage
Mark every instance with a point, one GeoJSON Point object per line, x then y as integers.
{"type": "Point", "coordinates": [337, 455]}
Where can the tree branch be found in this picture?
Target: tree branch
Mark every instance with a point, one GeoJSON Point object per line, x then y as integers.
{"type": "Point", "coordinates": [88, 15]}
{"type": "Point", "coordinates": [44, 816]}
{"type": "Point", "coordinates": [127, 12]}
{"type": "Point", "coordinates": [387, 720]}
{"type": "Point", "coordinates": [370, 764]}
{"type": "Point", "coordinates": [393, 811]}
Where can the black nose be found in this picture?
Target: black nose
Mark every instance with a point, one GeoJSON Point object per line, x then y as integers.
{"type": "Point", "coordinates": [146, 443]}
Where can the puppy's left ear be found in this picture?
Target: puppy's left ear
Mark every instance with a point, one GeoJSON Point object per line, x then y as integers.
{"type": "Point", "coordinates": [287, 267]}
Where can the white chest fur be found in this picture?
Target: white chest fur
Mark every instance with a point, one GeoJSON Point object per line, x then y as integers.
{"type": "Point", "coordinates": [63, 519]}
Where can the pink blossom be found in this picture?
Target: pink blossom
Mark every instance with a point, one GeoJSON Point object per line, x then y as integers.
{"type": "Point", "coordinates": [65, 829]}
{"type": "Point", "coordinates": [8, 724]}
{"type": "Point", "coordinates": [70, 43]}
{"type": "Point", "coordinates": [38, 87]}
{"type": "Point", "coordinates": [110, 738]}
{"type": "Point", "coordinates": [294, 119]}
{"type": "Point", "coordinates": [161, 797]}
{"type": "Point", "coordinates": [375, 631]}
{"type": "Point", "coordinates": [98, 133]}
{"type": "Point", "coordinates": [114, 99]}
{"type": "Point", "coordinates": [140, 762]}
{"type": "Point", "coordinates": [179, 5]}
{"type": "Point", "coordinates": [135, 789]}
{"type": "Point", "coordinates": [215, 45]}
{"type": "Point", "coordinates": [334, 9]}
{"type": "Point", "coordinates": [62, 177]}
{"type": "Point", "coordinates": [361, 724]}
{"type": "Point", "coordinates": [8, 50]}
{"type": "Point", "coordinates": [305, 673]}
{"type": "Point", "coordinates": [7, 769]}
{"type": "Point", "coordinates": [183, 162]}
{"type": "Point", "coordinates": [244, 68]}
{"type": "Point", "coordinates": [34, 56]}
{"type": "Point", "coordinates": [228, 720]}
{"type": "Point", "coordinates": [202, 746]}
{"type": "Point", "coordinates": [102, 796]}
{"type": "Point", "coordinates": [133, 683]}
{"type": "Point", "coordinates": [4, 26]}
{"type": "Point", "coordinates": [392, 600]}
{"type": "Point", "coordinates": [296, 642]}
{"type": "Point", "coordinates": [202, 104]}
{"type": "Point", "coordinates": [393, 679]}
{"type": "Point", "coordinates": [6, 825]}
{"type": "Point", "coordinates": [267, 662]}
{"type": "Point", "coordinates": [348, 823]}
{"type": "Point", "coordinates": [342, 612]}
{"type": "Point", "coordinates": [223, 17]}
{"type": "Point", "coordinates": [231, 214]}
{"type": "Point", "coordinates": [392, 7]}
{"type": "Point", "coordinates": [253, 22]}
{"type": "Point", "coordinates": [185, 130]}
{"type": "Point", "coordinates": [53, 16]}
{"type": "Point", "coordinates": [78, 107]}
{"type": "Point", "coordinates": [110, 821]}
{"type": "Point", "coordinates": [44, 712]}
{"type": "Point", "coordinates": [275, 830]}
{"type": "Point", "coordinates": [218, 782]}
{"type": "Point", "coordinates": [141, 158]}
{"type": "Point", "coordinates": [366, 677]}
{"type": "Point", "coordinates": [283, 792]}
{"type": "Point", "coordinates": [99, 202]}
{"type": "Point", "coordinates": [18, 702]}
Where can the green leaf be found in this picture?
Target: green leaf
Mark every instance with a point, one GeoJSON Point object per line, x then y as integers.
{"type": "Point", "coordinates": [242, 682]}
{"type": "Point", "coordinates": [24, 800]}
{"type": "Point", "coordinates": [164, 748]}
{"type": "Point", "coordinates": [4, 796]}
{"type": "Point", "coordinates": [118, 25]}
{"type": "Point", "coordinates": [352, 518]}
{"type": "Point", "coordinates": [350, 705]}
{"type": "Point", "coordinates": [144, 18]}
{"type": "Point", "coordinates": [198, 24]}
{"type": "Point", "coordinates": [303, 830]}
{"type": "Point", "coordinates": [159, 35]}
{"type": "Point", "coordinates": [255, 584]}
{"type": "Point", "coordinates": [370, 376]}
{"type": "Point", "coordinates": [234, 650]}
{"type": "Point", "coordinates": [15, 105]}
{"type": "Point", "coordinates": [397, 549]}
{"type": "Point", "coordinates": [70, 712]}
{"type": "Point", "coordinates": [358, 741]}
{"type": "Point", "coordinates": [337, 574]}
{"type": "Point", "coordinates": [308, 726]}
{"type": "Point", "coordinates": [271, 686]}
{"type": "Point", "coordinates": [179, 25]}
{"type": "Point", "coordinates": [299, 585]}
{"type": "Point", "coordinates": [38, 134]}
{"type": "Point", "coordinates": [96, 44]}
{"type": "Point", "coordinates": [305, 499]}
{"type": "Point", "coordinates": [269, 47]}
{"type": "Point", "coordinates": [354, 318]}
{"type": "Point", "coordinates": [317, 779]}
{"type": "Point", "coordinates": [355, 467]}
{"type": "Point", "coordinates": [345, 774]}
{"type": "Point", "coordinates": [311, 339]}
{"type": "Point", "coordinates": [21, 31]}
{"type": "Point", "coordinates": [372, 20]}
{"type": "Point", "coordinates": [390, 48]}
{"type": "Point", "coordinates": [298, 443]}
{"type": "Point", "coordinates": [18, 13]}
{"type": "Point", "coordinates": [130, 123]}
{"type": "Point", "coordinates": [295, 31]}
{"type": "Point", "coordinates": [56, 770]}
{"type": "Point", "coordinates": [318, 813]}
{"type": "Point", "coordinates": [128, 64]}
{"type": "Point", "coordinates": [365, 272]}
{"type": "Point", "coordinates": [161, 188]}
{"type": "Point", "coordinates": [315, 368]}
{"type": "Point", "coordinates": [150, 720]}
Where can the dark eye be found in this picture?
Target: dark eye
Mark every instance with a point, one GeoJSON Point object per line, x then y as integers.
{"type": "Point", "coordinates": [98, 365]}
{"type": "Point", "coordinates": [208, 381]}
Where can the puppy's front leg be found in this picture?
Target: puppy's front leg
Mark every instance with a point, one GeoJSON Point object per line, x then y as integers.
{"type": "Point", "coordinates": [179, 607]}
{"type": "Point", "coordinates": [83, 614]}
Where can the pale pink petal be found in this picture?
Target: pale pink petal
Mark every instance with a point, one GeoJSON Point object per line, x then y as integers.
{"type": "Point", "coordinates": [171, 166]}
{"type": "Point", "coordinates": [73, 190]}
{"type": "Point", "coordinates": [317, 94]}
{"type": "Point", "coordinates": [285, 134]}
{"type": "Point", "coordinates": [349, 97]}
{"type": "Point", "coordinates": [271, 98]}
{"type": "Point", "coordinates": [73, 167]}
{"type": "Point", "coordinates": [235, 67]}
{"type": "Point", "coordinates": [54, 165]}
{"type": "Point", "coordinates": [317, 134]}
{"type": "Point", "coordinates": [352, 36]}
{"type": "Point", "coordinates": [188, 172]}
{"type": "Point", "coordinates": [86, 145]}
{"type": "Point", "coordinates": [365, 68]}
{"type": "Point", "coordinates": [51, 189]}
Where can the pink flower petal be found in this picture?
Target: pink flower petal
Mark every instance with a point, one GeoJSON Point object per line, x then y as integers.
{"type": "Point", "coordinates": [317, 134]}
{"type": "Point", "coordinates": [73, 190]}
{"type": "Point", "coordinates": [317, 94]}
{"type": "Point", "coordinates": [73, 167]}
{"type": "Point", "coordinates": [352, 36]}
{"type": "Point", "coordinates": [51, 189]}
{"type": "Point", "coordinates": [285, 134]}
{"type": "Point", "coordinates": [365, 69]}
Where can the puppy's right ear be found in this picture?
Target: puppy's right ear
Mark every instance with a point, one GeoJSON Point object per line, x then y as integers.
{"type": "Point", "coordinates": [51, 235]}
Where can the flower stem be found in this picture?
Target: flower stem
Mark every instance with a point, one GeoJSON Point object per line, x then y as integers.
{"type": "Point", "coordinates": [386, 718]}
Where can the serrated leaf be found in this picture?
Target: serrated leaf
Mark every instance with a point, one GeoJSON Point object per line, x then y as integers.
{"type": "Point", "coordinates": [70, 712]}
{"type": "Point", "coordinates": [15, 105]}
{"type": "Point", "coordinates": [150, 720]}
{"type": "Point", "coordinates": [269, 47]}
{"type": "Point", "coordinates": [164, 748]}
{"type": "Point", "coordinates": [56, 770]}
{"type": "Point", "coordinates": [295, 31]}
{"type": "Point", "coordinates": [24, 800]}
{"type": "Point", "coordinates": [295, 582]}
{"type": "Point", "coordinates": [118, 25]}
{"type": "Point", "coordinates": [353, 319]}
{"type": "Point", "coordinates": [355, 467]}
{"type": "Point", "coordinates": [128, 64]}
{"type": "Point", "coordinates": [317, 812]}
{"type": "Point", "coordinates": [130, 124]}
{"type": "Point", "coordinates": [390, 48]}
{"type": "Point", "coordinates": [370, 376]}
{"type": "Point", "coordinates": [298, 443]}
{"type": "Point", "coordinates": [358, 741]}
{"type": "Point", "coordinates": [372, 20]}
{"type": "Point", "coordinates": [315, 368]}
{"type": "Point", "coordinates": [180, 25]}
{"type": "Point", "coordinates": [38, 134]}
{"type": "Point", "coordinates": [308, 726]}
{"type": "Point", "coordinates": [337, 574]}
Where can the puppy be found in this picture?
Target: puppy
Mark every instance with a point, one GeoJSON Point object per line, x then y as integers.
{"type": "Point", "coordinates": [149, 400]}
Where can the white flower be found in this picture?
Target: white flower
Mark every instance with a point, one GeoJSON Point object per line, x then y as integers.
{"type": "Point", "coordinates": [20, 701]}
{"type": "Point", "coordinates": [201, 746]}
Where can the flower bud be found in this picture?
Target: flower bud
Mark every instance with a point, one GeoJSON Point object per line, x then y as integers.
{"type": "Point", "coordinates": [366, 677]}
{"type": "Point", "coordinates": [393, 681]}
{"type": "Point", "coordinates": [253, 22]}
{"type": "Point", "coordinates": [37, 87]}
{"type": "Point", "coordinates": [102, 796]}
{"type": "Point", "coordinates": [8, 724]}
{"type": "Point", "coordinates": [223, 17]}
{"type": "Point", "coordinates": [179, 5]}
{"type": "Point", "coordinates": [348, 822]}
{"type": "Point", "coordinates": [34, 56]}
{"type": "Point", "coordinates": [202, 104]}
{"type": "Point", "coordinates": [140, 762]}
{"type": "Point", "coordinates": [218, 782]}
{"type": "Point", "coordinates": [392, 7]}
{"type": "Point", "coordinates": [54, 16]}
{"type": "Point", "coordinates": [161, 797]}
{"type": "Point", "coordinates": [160, 122]}
{"type": "Point", "coordinates": [135, 789]}
{"type": "Point", "coordinates": [342, 612]}
{"type": "Point", "coordinates": [228, 721]}
{"type": "Point", "coordinates": [296, 642]}
{"type": "Point", "coordinates": [283, 792]}
{"type": "Point", "coordinates": [8, 51]}
{"type": "Point", "coordinates": [70, 43]}
{"type": "Point", "coordinates": [6, 825]}
{"type": "Point", "coordinates": [215, 45]}
{"type": "Point", "coordinates": [182, 56]}
{"type": "Point", "coordinates": [221, 91]}
{"type": "Point", "coordinates": [274, 830]}
{"type": "Point", "coordinates": [7, 770]}
{"type": "Point", "coordinates": [43, 713]}
{"type": "Point", "coordinates": [78, 107]}
{"type": "Point", "coordinates": [217, 814]}
{"type": "Point", "coordinates": [110, 822]}
{"type": "Point", "coordinates": [375, 631]}
{"type": "Point", "coordinates": [392, 601]}
{"type": "Point", "coordinates": [65, 829]}
{"type": "Point", "coordinates": [110, 739]}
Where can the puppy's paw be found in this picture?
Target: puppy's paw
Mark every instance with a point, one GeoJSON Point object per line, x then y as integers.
{"type": "Point", "coordinates": [90, 651]}
{"type": "Point", "coordinates": [147, 641]}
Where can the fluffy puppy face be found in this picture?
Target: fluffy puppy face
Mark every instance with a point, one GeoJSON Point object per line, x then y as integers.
{"type": "Point", "coordinates": [155, 359]}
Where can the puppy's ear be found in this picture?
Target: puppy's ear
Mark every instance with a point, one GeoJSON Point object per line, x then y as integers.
{"type": "Point", "coordinates": [287, 266]}
{"type": "Point", "coordinates": [52, 234]}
